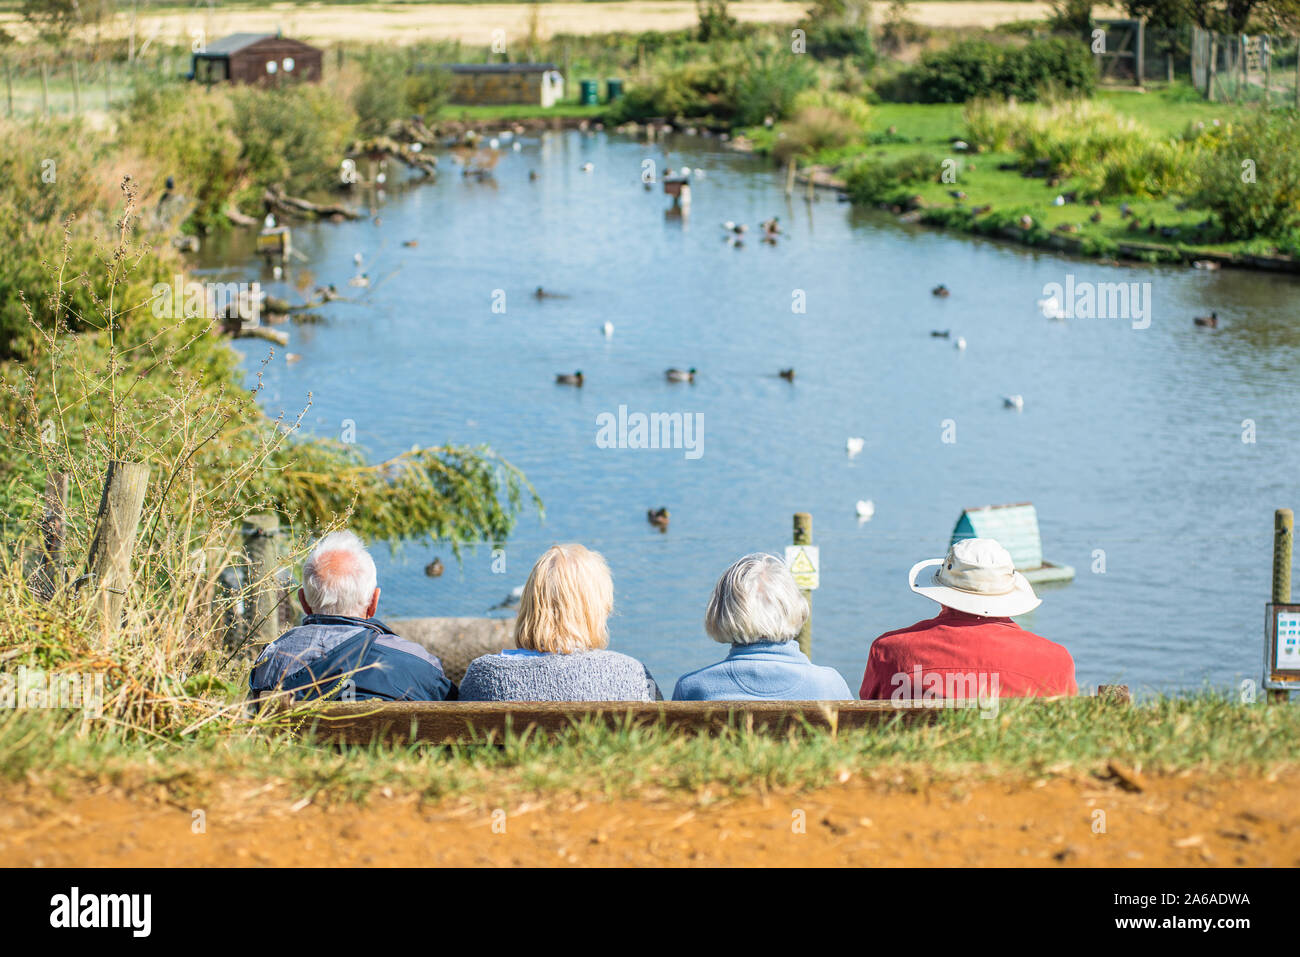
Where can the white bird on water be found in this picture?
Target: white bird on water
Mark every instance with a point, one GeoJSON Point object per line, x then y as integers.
{"type": "Point", "coordinates": [854, 445]}
{"type": "Point", "coordinates": [960, 344]}
{"type": "Point", "coordinates": [1051, 308]}
{"type": "Point", "coordinates": [356, 258]}
{"type": "Point", "coordinates": [866, 509]}
{"type": "Point", "coordinates": [512, 599]}
{"type": "Point", "coordinates": [1016, 402]}
{"type": "Point", "coordinates": [608, 329]}
{"type": "Point", "coordinates": [587, 167]}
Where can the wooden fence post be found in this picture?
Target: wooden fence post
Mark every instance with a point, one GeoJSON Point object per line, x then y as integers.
{"type": "Point", "coordinates": [108, 567]}
{"type": "Point", "coordinates": [803, 536]}
{"type": "Point", "coordinates": [49, 578]}
{"type": "Point", "coordinates": [262, 549]}
{"type": "Point", "coordinates": [1283, 533]}
{"type": "Point", "coordinates": [1268, 71]}
{"type": "Point", "coordinates": [1212, 67]}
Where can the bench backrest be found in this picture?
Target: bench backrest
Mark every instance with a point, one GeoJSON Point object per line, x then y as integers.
{"type": "Point", "coordinates": [448, 722]}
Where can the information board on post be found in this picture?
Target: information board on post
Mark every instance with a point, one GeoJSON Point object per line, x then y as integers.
{"type": "Point", "coordinates": [804, 562]}
{"type": "Point", "coordinates": [1282, 647]}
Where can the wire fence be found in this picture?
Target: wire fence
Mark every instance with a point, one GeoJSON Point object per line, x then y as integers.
{"type": "Point", "coordinates": [71, 87]}
{"type": "Point", "coordinates": [1238, 68]}
{"type": "Point", "coordinates": [1246, 69]}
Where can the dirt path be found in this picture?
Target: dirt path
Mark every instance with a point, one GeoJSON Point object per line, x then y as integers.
{"type": "Point", "coordinates": [475, 23]}
{"type": "Point", "coordinates": [1190, 820]}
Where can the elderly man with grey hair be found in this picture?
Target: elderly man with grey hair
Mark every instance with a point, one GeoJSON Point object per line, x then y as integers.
{"type": "Point", "coordinates": [757, 609]}
{"type": "Point", "coordinates": [341, 651]}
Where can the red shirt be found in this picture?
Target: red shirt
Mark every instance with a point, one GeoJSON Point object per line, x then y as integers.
{"type": "Point", "coordinates": [956, 655]}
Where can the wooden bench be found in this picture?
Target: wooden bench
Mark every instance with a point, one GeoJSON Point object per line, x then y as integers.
{"type": "Point", "coordinates": [464, 722]}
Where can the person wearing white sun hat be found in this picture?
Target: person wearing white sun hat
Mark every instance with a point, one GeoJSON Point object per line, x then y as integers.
{"type": "Point", "coordinates": [972, 637]}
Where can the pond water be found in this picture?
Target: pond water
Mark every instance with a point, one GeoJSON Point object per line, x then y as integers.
{"type": "Point", "coordinates": [1130, 441]}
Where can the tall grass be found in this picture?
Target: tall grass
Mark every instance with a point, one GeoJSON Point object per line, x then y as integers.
{"type": "Point", "coordinates": [1113, 155]}
{"type": "Point", "coordinates": [104, 378]}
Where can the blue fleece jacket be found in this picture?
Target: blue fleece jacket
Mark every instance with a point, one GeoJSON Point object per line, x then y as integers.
{"type": "Point", "coordinates": [763, 671]}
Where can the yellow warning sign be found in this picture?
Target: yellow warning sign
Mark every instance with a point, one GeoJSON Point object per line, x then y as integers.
{"type": "Point", "coordinates": [804, 562]}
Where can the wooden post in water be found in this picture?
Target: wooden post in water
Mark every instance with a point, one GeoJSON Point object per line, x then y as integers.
{"type": "Point", "coordinates": [262, 549]}
{"type": "Point", "coordinates": [49, 576]}
{"type": "Point", "coordinates": [803, 536]}
{"type": "Point", "coordinates": [108, 567]}
{"type": "Point", "coordinates": [1283, 533]}
{"type": "Point", "coordinates": [789, 176]}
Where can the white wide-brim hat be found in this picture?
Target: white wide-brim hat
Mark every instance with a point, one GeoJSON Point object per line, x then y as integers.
{"type": "Point", "coordinates": [979, 578]}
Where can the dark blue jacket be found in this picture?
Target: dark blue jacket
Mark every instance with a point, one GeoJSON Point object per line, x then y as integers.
{"type": "Point", "coordinates": [349, 659]}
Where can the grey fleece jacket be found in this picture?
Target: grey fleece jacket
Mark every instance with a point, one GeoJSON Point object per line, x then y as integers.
{"type": "Point", "coordinates": [585, 676]}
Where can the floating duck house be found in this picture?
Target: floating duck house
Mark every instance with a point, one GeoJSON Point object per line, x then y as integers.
{"type": "Point", "coordinates": [1015, 527]}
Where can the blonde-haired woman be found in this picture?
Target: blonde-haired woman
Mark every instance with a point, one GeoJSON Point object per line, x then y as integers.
{"type": "Point", "coordinates": [562, 630]}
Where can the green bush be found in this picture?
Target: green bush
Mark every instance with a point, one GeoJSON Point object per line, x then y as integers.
{"type": "Point", "coordinates": [736, 91]}
{"type": "Point", "coordinates": [1112, 155]}
{"type": "Point", "coordinates": [770, 87]}
{"type": "Point", "coordinates": [427, 91]}
{"type": "Point", "coordinates": [1251, 182]}
{"type": "Point", "coordinates": [715, 22]}
{"type": "Point", "coordinates": [871, 180]}
{"type": "Point", "coordinates": [380, 97]}
{"type": "Point", "coordinates": [293, 136]}
{"type": "Point", "coordinates": [838, 41]}
{"type": "Point", "coordinates": [976, 68]}
{"type": "Point", "coordinates": [189, 134]}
